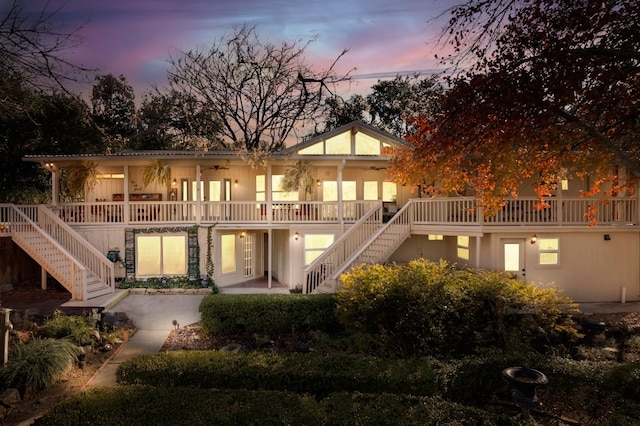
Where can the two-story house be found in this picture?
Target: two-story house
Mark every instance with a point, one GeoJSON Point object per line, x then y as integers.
{"type": "Point", "coordinates": [214, 214]}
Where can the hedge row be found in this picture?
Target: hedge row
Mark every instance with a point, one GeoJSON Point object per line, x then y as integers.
{"type": "Point", "coordinates": [141, 405]}
{"type": "Point", "coordinates": [313, 374]}
{"type": "Point", "coordinates": [473, 380]}
{"type": "Point", "coordinates": [271, 314]}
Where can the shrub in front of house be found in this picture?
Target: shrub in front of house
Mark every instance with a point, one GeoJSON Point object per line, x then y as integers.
{"type": "Point", "coordinates": [427, 308]}
{"type": "Point", "coordinates": [268, 314]}
{"type": "Point", "coordinates": [171, 282]}
{"type": "Point", "coordinates": [37, 364]}
{"type": "Point", "coordinates": [303, 373]}
{"type": "Point", "coordinates": [78, 329]}
{"type": "Point", "coordinates": [131, 405]}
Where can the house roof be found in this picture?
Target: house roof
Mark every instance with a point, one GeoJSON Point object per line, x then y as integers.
{"type": "Point", "coordinates": [290, 152]}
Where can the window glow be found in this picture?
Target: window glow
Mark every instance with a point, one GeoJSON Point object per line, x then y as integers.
{"type": "Point", "coordinates": [389, 191]}
{"type": "Point", "coordinates": [511, 257]}
{"type": "Point", "coordinates": [315, 245]}
{"type": "Point", "coordinates": [370, 190]}
{"type": "Point", "coordinates": [548, 251]}
{"type": "Point", "coordinates": [435, 237]}
{"type": "Point", "coordinates": [366, 145]}
{"type": "Point", "coordinates": [340, 144]}
{"type": "Point", "coordinates": [315, 149]}
{"type": "Point", "coordinates": [228, 253]}
{"type": "Point", "coordinates": [158, 255]}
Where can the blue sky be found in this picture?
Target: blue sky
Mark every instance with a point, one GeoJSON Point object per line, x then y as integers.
{"type": "Point", "coordinates": [136, 37]}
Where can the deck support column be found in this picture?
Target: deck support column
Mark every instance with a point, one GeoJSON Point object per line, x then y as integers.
{"type": "Point", "coordinates": [269, 256]}
{"type": "Point", "coordinates": [43, 278]}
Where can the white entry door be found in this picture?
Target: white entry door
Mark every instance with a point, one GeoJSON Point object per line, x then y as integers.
{"type": "Point", "coordinates": [513, 257]}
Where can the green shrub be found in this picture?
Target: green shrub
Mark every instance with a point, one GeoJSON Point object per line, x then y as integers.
{"type": "Point", "coordinates": [76, 328]}
{"type": "Point", "coordinates": [171, 282]}
{"type": "Point", "coordinates": [270, 314]}
{"type": "Point", "coordinates": [37, 363]}
{"type": "Point", "coordinates": [427, 308]}
{"type": "Point", "coordinates": [303, 373]}
{"type": "Point", "coordinates": [132, 405]}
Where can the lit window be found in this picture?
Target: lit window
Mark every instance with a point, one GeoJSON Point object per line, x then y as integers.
{"type": "Point", "coordinates": [158, 255]}
{"type": "Point", "coordinates": [370, 191]}
{"type": "Point", "coordinates": [228, 250]}
{"type": "Point", "coordinates": [548, 251]}
{"type": "Point", "coordinates": [339, 144]}
{"type": "Point", "coordinates": [366, 145]}
{"type": "Point", "coordinates": [277, 194]}
{"type": "Point", "coordinates": [315, 245]}
{"type": "Point", "coordinates": [435, 237]}
{"type": "Point", "coordinates": [389, 191]}
{"type": "Point", "coordinates": [463, 247]}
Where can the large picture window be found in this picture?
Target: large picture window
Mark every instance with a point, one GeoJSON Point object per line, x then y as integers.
{"type": "Point", "coordinates": [463, 247]}
{"type": "Point", "coordinates": [161, 255]}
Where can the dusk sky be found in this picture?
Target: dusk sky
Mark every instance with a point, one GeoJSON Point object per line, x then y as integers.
{"type": "Point", "coordinates": [136, 37]}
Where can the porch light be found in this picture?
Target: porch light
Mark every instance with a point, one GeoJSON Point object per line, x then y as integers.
{"type": "Point", "coordinates": [236, 182]}
{"type": "Point", "coordinates": [174, 183]}
{"type": "Point", "coordinates": [534, 238]}
{"type": "Point", "coordinates": [296, 236]}
{"type": "Point", "coordinates": [319, 182]}
{"type": "Point", "coordinates": [242, 234]}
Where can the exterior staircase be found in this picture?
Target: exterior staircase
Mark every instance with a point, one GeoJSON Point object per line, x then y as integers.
{"type": "Point", "coordinates": [367, 241]}
{"type": "Point", "coordinates": [63, 253]}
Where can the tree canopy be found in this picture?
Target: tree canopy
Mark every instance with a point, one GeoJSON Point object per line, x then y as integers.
{"type": "Point", "coordinates": [543, 90]}
{"type": "Point", "coordinates": [259, 92]}
{"type": "Point", "coordinates": [389, 106]}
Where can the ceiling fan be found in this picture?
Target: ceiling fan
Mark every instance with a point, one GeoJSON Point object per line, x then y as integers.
{"type": "Point", "coordinates": [216, 167]}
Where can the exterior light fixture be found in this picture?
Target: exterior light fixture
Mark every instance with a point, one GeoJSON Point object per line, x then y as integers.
{"type": "Point", "coordinates": [318, 182]}
{"type": "Point", "coordinates": [236, 182]}
{"type": "Point", "coordinates": [534, 238]}
{"type": "Point", "coordinates": [174, 183]}
{"type": "Point", "coordinates": [242, 234]}
{"type": "Point", "coordinates": [296, 236]}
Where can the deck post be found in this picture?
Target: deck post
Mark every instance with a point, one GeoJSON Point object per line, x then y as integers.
{"type": "Point", "coordinates": [43, 278]}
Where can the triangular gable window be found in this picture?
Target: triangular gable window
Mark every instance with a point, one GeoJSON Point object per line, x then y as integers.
{"type": "Point", "coordinates": [366, 145]}
{"type": "Point", "coordinates": [340, 144]}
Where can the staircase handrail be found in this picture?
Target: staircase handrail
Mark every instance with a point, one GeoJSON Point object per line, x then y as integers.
{"type": "Point", "coordinates": [322, 267]}
{"type": "Point", "coordinates": [77, 246]}
{"type": "Point", "coordinates": [403, 216]}
{"type": "Point", "coordinates": [74, 277]}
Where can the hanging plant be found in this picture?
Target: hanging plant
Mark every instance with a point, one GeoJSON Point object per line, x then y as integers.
{"type": "Point", "coordinates": [157, 170]}
{"type": "Point", "coordinates": [80, 176]}
{"type": "Point", "coordinates": [298, 176]}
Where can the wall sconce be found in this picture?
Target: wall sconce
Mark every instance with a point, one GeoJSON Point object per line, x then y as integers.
{"type": "Point", "coordinates": [174, 183]}
{"type": "Point", "coordinates": [49, 166]}
{"type": "Point", "coordinates": [242, 234]}
{"type": "Point", "coordinates": [534, 238]}
{"type": "Point", "coordinates": [319, 182]}
{"type": "Point", "coordinates": [607, 237]}
{"type": "Point", "coordinates": [296, 236]}
{"type": "Point", "coordinates": [236, 182]}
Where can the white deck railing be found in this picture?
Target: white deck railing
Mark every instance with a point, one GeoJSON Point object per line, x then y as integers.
{"type": "Point", "coordinates": [527, 211]}
{"type": "Point", "coordinates": [325, 265]}
{"type": "Point", "coordinates": [47, 252]}
{"type": "Point", "coordinates": [78, 247]}
{"type": "Point", "coordinates": [213, 212]}
{"type": "Point", "coordinates": [455, 211]}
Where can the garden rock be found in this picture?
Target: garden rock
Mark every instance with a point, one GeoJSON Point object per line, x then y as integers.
{"type": "Point", "coordinates": [10, 397]}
